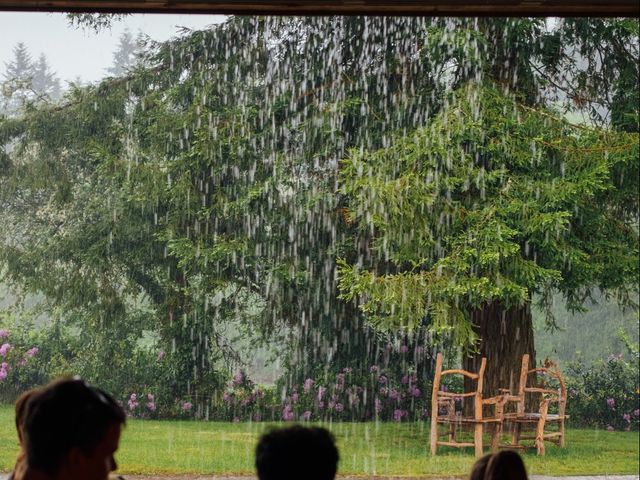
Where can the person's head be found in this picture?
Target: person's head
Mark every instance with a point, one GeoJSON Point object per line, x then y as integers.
{"type": "Point", "coordinates": [72, 430]}
{"type": "Point", "coordinates": [506, 465]}
{"type": "Point", "coordinates": [21, 408]}
{"type": "Point", "coordinates": [297, 452]}
{"type": "Point", "coordinates": [479, 468]}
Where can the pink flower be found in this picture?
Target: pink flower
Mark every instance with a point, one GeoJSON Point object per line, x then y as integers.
{"type": "Point", "coordinates": [32, 352]}
{"type": "Point", "coordinates": [626, 417]}
{"type": "Point", "coordinates": [151, 406]}
{"type": "Point", "coordinates": [382, 380]}
{"type": "Point", "coordinates": [611, 403]}
{"type": "Point", "coordinates": [308, 384]}
{"type": "Point", "coordinates": [636, 412]}
{"type": "Point", "coordinates": [374, 368]}
{"type": "Point", "coordinates": [150, 397]}
{"type": "Point", "coordinates": [186, 406]}
{"type": "Point", "coordinates": [287, 413]}
{"type": "Point", "coordinates": [393, 394]}
{"type": "Point", "coordinates": [3, 374]}
{"type": "Point", "coordinates": [294, 398]}
{"type": "Point", "coordinates": [339, 407]}
{"type": "Point", "coordinates": [416, 392]}
{"type": "Point", "coordinates": [398, 414]}
{"type": "Point", "coordinates": [4, 333]}
{"type": "Point", "coordinates": [161, 355]}
{"type": "Point", "coordinates": [321, 391]}
{"type": "Point", "coordinates": [238, 378]}
{"type": "Point", "coordinates": [4, 349]}
{"type": "Point", "coordinates": [306, 416]}
{"type": "Point", "coordinates": [610, 428]}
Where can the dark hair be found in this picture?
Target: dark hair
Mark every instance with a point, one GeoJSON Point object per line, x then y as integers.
{"type": "Point", "coordinates": [479, 468]}
{"type": "Point", "coordinates": [506, 465]}
{"type": "Point", "coordinates": [21, 410]}
{"type": "Point", "coordinates": [63, 415]}
{"type": "Point", "coordinates": [297, 452]}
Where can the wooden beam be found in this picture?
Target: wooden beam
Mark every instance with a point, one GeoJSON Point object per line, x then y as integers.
{"type": "Point", "coordinates": [347, 7]}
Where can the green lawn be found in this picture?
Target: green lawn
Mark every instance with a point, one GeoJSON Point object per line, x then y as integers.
{"type": "Point", "coordinates": [365, 448]}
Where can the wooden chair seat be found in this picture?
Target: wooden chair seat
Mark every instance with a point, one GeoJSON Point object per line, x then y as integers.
{"type": "Point", "coordinates": [467, 420]}
{"type": "Point", "coordinates": [534, 417]}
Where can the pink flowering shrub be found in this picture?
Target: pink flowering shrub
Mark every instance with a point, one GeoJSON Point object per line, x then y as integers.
{"type": "Point", "coordinates": [604, 394]}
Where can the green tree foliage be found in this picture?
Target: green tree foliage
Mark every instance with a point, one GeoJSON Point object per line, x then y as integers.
{"type": "Point", "coordinates": [492, 202]}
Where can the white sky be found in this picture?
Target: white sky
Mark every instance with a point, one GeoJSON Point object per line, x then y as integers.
{"type": "Point", "coordinates": [80, 52]}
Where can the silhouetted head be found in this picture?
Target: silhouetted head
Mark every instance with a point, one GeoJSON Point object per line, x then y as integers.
{"type": "Point", "coordinates": [71, 430]}
{"type": "Point", "coordinates": [480, 468]}
{"type": "Point", "coordinates": [506, 465]}
{"type": "Point", "coordinates": [295, 453]}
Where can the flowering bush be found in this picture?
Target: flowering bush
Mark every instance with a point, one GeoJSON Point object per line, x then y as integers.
{"type": "Point", "coordinates": [604, 394]}
{"type": "Point", "coordinates": [19, 366]}
{"type": "Point", "coordinates": [244, 400]}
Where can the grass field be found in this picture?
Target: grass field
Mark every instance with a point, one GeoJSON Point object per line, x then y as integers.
{"type": "Point", "coordinates": [366, 448]}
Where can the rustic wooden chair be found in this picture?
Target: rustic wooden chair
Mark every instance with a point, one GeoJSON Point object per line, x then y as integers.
{"type": "Point", "coordinates": [543, 418]}
{"type": "Point", "coordinates": [443, 411]}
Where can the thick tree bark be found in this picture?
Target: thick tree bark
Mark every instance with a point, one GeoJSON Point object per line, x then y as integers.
{"type": "Point", "coordinates": [505, 336]}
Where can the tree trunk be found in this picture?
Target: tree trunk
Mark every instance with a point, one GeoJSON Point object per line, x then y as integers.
{"type": "Point", "coordinates": [505, 336]}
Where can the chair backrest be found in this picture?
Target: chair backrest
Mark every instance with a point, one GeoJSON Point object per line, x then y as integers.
{"type": "Point", "coordinates": [553, 371]}
{"type": "Point", "coordinates": [437, 394]}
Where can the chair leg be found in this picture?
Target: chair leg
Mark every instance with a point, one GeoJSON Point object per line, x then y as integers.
{"type": "Point", "coordinates": [540, 437]}
{"type": "Point", "coordinates": [477, 440]}
{"type": "Point", "coordinates": [434, 433]}
{"type": "Point", "coordinates": [562, 434]}
{"type": "Point", "coordinates": [497, 436]}
{"type": "Point", "coordinates": [515, 434]}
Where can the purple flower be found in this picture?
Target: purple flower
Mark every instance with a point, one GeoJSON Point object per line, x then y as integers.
{"type": "Point", "coordinates": [3, 374]}
{"type": "Point", "coordinates": [374, 368]}
{"type": "Point", "coordinates": [32, 352]}
{"type": "Point", "coordinates": [132, 403]}
{"type": "Point", "coordinates": [306, 416]}
{"type": "Point", "coordinates": [4, 349]}
{"type": "Point", "coordinates": [384, 391]}
{"type": "Point", "coordinates": [347, 370]}
{"type": "Point", "coordinates": [404, 349]}
{"type": "Point", "coordinates": [287, 413]}
{"type": "Point", "coordinates": [405, 379]}
{"type": "Point", "coordinates": [419, 350]}
{"type": "Point", "coordinates": [4, 333]}
{"type": "Point", "coordinates": [294, 398]}
{"type": "Point", "coordinates": [393, 394]}
{"type": "Point", "coordinates": [308, 384]}
{"type": "Point", "coordinates": [339, 407]}
{"type": "Point", "coordinates": [415, 392]}
{"type": "Point", "coordinates": [321, 405]}
{"type": "Point", "coordinates": [151, 406]}
{"type": "Point", "coordinates": [610, 428]}
{"type": "Point", "coordinates": [398, 414]}
{"type": "Point", "coordinates": [382, 380]}
{"type": "Point", "coordinates": [611, 403]}
{"type": "Point", "coordinates": [626, 417]}
{"type": "Point", "coordinates": [186, 406]}
{"type": "Point", "coordinates": [133, 397]}
{"type": "Point", "coordinates": [161, 355]}
{"type": "Point", "coordinates": [238, 378]}
{"type": "Point", "coordinates": [636, 412]}
{"type": "Point", "coordinates": [340, 378]}
{"type": "Point", "coordinates": [321, 392]}
{"type": "Point", "coordinates": [150, 397]}
{"type": "Point", "coordinates": [377, 405]}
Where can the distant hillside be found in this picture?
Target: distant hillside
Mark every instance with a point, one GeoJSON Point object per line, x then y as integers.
{"type": "Point", "coordinates": [587, 336]}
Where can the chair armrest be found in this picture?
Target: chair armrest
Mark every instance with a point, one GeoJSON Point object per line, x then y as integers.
{"type": "Point", "coordinates": [497, 400]}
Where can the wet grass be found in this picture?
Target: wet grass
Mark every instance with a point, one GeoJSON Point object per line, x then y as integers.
{"type": "Point", "coordinates": [366, 449]}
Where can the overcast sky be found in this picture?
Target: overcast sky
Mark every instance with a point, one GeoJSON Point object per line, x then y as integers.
{"type": "Point", "coordinates": [74, 52]}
